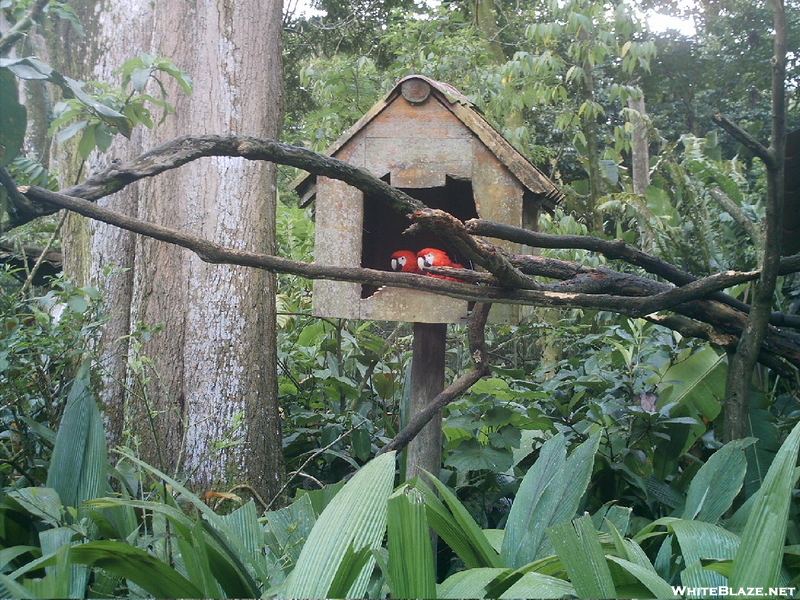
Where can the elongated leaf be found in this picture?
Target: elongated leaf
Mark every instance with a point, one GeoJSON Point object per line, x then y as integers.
{"type": "Point", "coordinates": [702, 541]}
{"type": "Point", "coordinates": [467, 530]}
{"type": "Point", "coordinates": [11, 589]}
{"type": "Point", "coordinates": [146, 571]}
{"type": "Point", "coordinates": [411, 565]}
{"type": "Point", "coordinates": [717, 483]}
{"type": "Point", "coordinates": [549, 494]}
{"type": "Point", "coordinates": [470, 583]}
{"type": "Point", "coordinates": [195, 559]}
{"type": "Point", "coordinates": [79, 465]}
{"type": "Point", "coordinates": [758, 561]}
{"type": "Point", "coordinates": [659, 587]}
{"type": "Point", "coordinates": [355, 519]}
{"type": "Point", "coordinates": [537, 585]}
{"type": "Point", "coordinates": [74, 577]}
{"type": "Point", "coordinates": [229, 543]}
{"type": "Point", "coordinates": [579, 549]}
{"type": "Point", "coordinates": [697, 382]}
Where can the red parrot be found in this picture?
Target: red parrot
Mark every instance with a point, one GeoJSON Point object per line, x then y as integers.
{"type": "Point", "coordinates": [431, 257]}
{"type": "Point", "coordinates": [406, 262]}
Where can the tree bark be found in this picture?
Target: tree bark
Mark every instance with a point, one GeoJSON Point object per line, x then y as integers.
{"type": "Point", "coordinates": [427, 381]}
{"type": "Point", "coordinates": [640, 151]}
{"type": "Point", "coordinates": [742, 362]}
{"type": "Point", "coordinates": [214, 361]}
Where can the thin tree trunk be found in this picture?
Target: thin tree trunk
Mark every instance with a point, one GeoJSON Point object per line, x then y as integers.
{"type": "Point", "coordinates": [213, 364]}
{"type": "Point", "coordinates": [742, 363]}
{"type": "Point", "coordinates": [640, 151]}
{"type": "Point", "coordinates": [427, 381]}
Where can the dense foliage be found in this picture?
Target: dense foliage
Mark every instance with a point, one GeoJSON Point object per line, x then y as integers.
{"type": "Point", "coordinates": [588, 413]}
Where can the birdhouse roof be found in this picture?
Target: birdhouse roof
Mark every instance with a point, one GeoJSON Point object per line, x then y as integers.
{"type": "Point", "coordinates": [529, 176]}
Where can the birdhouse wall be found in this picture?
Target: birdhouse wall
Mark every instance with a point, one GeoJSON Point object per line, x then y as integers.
{"type": "Point", "coordinates": [340, 221]}
{"type": "Point", "coordinates": [419, 145]}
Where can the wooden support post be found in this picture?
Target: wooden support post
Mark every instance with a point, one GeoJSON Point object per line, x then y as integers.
{"type": "Point", "coordinates": [427, 380]}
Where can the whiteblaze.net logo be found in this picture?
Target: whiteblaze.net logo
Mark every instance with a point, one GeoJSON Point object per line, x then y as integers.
{"type": "Point", "coordinates": [724, 590]}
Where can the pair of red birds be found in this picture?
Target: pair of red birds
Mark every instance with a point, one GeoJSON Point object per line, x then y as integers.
{"type": "Point", "coordinates": [408, 262]}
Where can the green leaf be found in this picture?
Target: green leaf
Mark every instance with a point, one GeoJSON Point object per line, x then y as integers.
{"type": "Point", "coordinates": [355, 519]}
{"type": "Point", "coordinates": [79, 465]}
{"type": "Point", "coordinates": [700, 541]}
{"type": "Point", "coordinates": [659, 587]}
{"type": "Point", "coordinates": [579, 549]}
{"type": "Point", "coordinates": [698, 382]}
{"type": "Point", "coordinates": [11, 589]}
{"type": "Point", "coordinates": [538, 585]}
{"type": "Point", "coordinates": [231, 547]}
{"type": "Point", "coordinates": [287, 529]}
{"type": "Point", "coordinates": [146, 571]}
{"type": "Point", "coordinates": [716, 484]}
{"type": "Point", "coordinates": [43, 502]}
{"type": "Point", "coordinates": [411, 565]}
{"type": "Point", "coordinates": [550, 494]}
{"type": "Point", "coordinates": [457, 527]}
{"type": "Point", "coordinates": [758, 561]}
{"type": "Point", "coordinates": [13, 119]}
{"type": "Point", "coordinates": [472, 455]}
{"type": "Point", "coordinates": [70, 131]}
{"type": "Point", "coordinates": [470, 583]}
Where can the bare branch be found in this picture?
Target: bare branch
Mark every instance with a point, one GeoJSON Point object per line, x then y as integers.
{"type": "Point", "coordinates": [480, 357]}
{"type": "Point", "coordinates": [638, 290]}
{"type": "Point", "coordinates": [747, 140]}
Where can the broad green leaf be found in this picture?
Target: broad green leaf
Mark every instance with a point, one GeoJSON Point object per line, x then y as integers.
{"type": "Point", "coordinates": [758, 561]}
{"type": "Point", "coordinates": [550, 494]}
{"type": "Point", "coordinates": [44, 503]}
{"type": "Point", "coordinates": [287, 530]}
{"type": "Point", "coordinates": [538, 585]}
{"type": "Point", "coordinates": [579, 549]}
{"type": "Point", "coordinates": [460, 530]}
{"type": "Point", "coordinates": [472, 455]}
{"type": "Point", "coordinates": [716, 484]}
{"type": "Point", "coordinates": [72, 578]}
{"type": "Point", "coordinates": [145, 570]}
{"type": "Point", "coordinates": [79, 465]}
{"type": "Point", "coordinates": [229, 544]}
{"type": "Point", "coordinates": [659, 587]}
{"type": "Point", "coordinates": [470, 583]}
{"type": "Point", "coordinates": [699, 541]}
{"type": "Point", "coordinates": [411, 565]}
{"type": "Point", "coordinates": [354, 520]}
{"type": "Point", "coordinates": [698, 382]}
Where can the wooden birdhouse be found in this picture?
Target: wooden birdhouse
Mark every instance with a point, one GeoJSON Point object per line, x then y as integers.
{"type": "Point", "coordinates": [429, 140]}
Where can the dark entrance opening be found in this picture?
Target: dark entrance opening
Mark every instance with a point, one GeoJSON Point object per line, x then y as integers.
{"type": "Point", "coordinates": [384, 227]}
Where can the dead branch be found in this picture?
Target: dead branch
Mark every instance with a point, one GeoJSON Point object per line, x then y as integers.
{"type": "Point", "coordinates": [510, 283]}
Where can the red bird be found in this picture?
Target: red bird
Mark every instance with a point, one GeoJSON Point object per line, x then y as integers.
{"type": "Point", "coordinates": [405, 261]}
{"type": "Point", "coordinates": [431, 257]}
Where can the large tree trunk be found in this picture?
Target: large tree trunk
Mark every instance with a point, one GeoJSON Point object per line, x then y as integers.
{"type": "Point", "coordinates": [214, 360]}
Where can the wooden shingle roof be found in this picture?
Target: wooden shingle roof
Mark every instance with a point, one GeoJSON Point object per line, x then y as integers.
{"type": "Point", "coordinates": [530, 176]}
